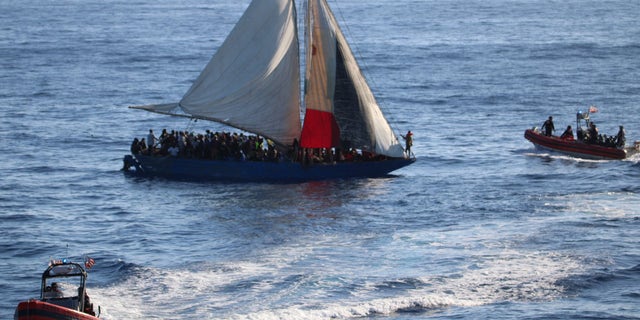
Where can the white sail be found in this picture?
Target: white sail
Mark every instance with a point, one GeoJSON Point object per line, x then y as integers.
{"type": "Point", "coordinates": [335, 85]}
{"type": "Point", "coordinates": [252, 82]}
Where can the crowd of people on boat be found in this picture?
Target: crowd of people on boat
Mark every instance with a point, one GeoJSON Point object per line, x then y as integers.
{"type": "Point", "coordinates": [591, 135]}
{"type": "Point", "coordinates": [210, 145]}
{"type": "Point", "coordinates": [238, 146]}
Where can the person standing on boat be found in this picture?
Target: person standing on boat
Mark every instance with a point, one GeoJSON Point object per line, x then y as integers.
{"type": "Point", "coordinates": [408, 138]}
{"type": "Point", "coordinates": [620, 138]}
{"type": "Point", "coordinates": [593, 133]}
{"type": "Point", "coordinates": [548, 127]}
{"type": "Point", "coordinates": [151, 141]}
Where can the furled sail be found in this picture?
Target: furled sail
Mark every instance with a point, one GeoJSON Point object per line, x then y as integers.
{"type": "Point", "coordinates": [253, 81]}
{"type": "Point", "coordinates": [340, 107]}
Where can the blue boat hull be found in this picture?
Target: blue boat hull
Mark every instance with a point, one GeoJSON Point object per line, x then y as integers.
{"type": "Point", "coordinates": [196, 169]}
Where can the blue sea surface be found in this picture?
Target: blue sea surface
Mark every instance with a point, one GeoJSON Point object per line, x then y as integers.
{"type": "Point", "coordinates": [482, 226]}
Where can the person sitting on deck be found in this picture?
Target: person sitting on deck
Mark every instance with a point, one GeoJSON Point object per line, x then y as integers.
{"type": "Point", "coordinates": [548, 127]}
{"type": "Point", "coordinates": [567, 134]}
{"type": "Point", "coordinates": [173, 150]}
{"type": "Point", "coordinates": [53, 291]}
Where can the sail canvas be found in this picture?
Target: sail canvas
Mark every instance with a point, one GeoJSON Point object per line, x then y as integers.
{"type": "Point", "coordinates": [341, 110]}
{"type": "Point", "coordinates": [253, 83]}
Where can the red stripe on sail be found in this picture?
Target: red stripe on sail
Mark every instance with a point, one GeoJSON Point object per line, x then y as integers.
{"type": "Point", "coordinates": [320, 130]}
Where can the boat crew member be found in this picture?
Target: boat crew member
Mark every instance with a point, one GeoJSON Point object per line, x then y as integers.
{"type": "Point", "coordinates": [409, 141]}
{"type": "Point", "coordinates": [593, 133]}
{"type": "Point", "coordinates": [548, 127]}
{"type": "Point", "coordinates": [54, 291]}
{"type": "Point", "coordinates": [620, 138]}
{"type": "Point", "coordinates": [567, 134]}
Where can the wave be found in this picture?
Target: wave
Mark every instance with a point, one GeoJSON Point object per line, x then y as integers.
{"type": "Point", "coordinates": [202, 289]}
{"type": "Point", "coordinates": [600, 279]}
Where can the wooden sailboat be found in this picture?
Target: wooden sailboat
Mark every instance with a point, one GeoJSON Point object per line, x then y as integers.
{"type": "Point", "coordinates": [253, 83]}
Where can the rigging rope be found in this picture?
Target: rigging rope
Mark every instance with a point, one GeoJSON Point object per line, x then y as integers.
{"type": "Point", "coordinates": [364, 68]}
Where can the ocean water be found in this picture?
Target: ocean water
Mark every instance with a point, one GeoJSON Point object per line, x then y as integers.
{"type": "Point", "coordinates": [481, 226]}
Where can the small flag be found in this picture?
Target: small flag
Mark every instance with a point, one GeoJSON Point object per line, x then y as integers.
{"type": "Point", "coordinates": [89, 262]}
{"type": "Point", "coordinates": [593, 109]}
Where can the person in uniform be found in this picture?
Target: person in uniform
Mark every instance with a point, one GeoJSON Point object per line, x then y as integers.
{"type": "Point", "coordinates": [548, 127]}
